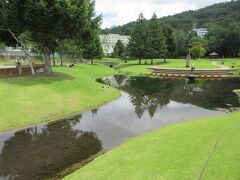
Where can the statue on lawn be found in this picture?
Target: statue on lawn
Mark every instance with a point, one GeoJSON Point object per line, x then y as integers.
{"type": "Point", "coordinates": [188, 59]}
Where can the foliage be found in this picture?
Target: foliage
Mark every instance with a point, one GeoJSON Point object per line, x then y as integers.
{"type": "Point", "coordinates": [197, 51]}
{"type": "Point", "coordinates": [50, 22]}
{"type": "Point", "coordinates": [25, 37]}
{"type": "Point", "coordinates": [156, 43]}
{"type": "Point", "coordinates": [119, 49]}
{"type": "Point", "coordinates": [197, 41]}
{"type": "Point", "coordinates": [2, 46]}
{"type": "Point", "coordinates": [151, 40]}
{"type": "Point", "coordinates": [181, 40]}
{"type": "Point", "coordinates": [222, 21]}
{"type": "Point", "coordinates": [137, 46]}
{"type": "Point", "coordinates": [91, 44]}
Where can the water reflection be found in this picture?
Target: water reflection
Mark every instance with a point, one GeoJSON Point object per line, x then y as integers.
{"type": "Point", "coordinates": [149, 93]}
{"type": "Point", "coordinates": [40, 153]}
{"type": "Point", "coordinates": [146, 104]}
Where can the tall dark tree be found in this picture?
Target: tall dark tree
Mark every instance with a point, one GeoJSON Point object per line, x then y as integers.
{"type": "Point", "coordinates": [137, 44]}
{"type": "Point", "coordinates": [170, 41]}
{"type": "Point", "coordinates": [119, 49]}
{"type": "Point", "coordinates": [156, 41]}
{"type": "Point", "coordinates": [91, 44]}
{"type": "Point", "coordinates": [181, 43]}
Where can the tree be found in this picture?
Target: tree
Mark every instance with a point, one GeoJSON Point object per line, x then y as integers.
{"type": "Point", "coordinates": [170, 41]}
{"type": "Point", "coordinates": [68, 48]}
{"type": "Point", "coordinates": [119, 49]}
{"type": "Point", "coordinates": [181, 43]}
{"type": "Point", "coordinates": [137, 44]}
{"type": "Point", "coordinates": [198, 51]}
{"type": "Point", "coordinates": [49, 22]}
{"type": "Point", "coordinates": [197, 41]}
{"type": "Point", "coordinates": [91, 44]}
{"type": "Point", "coordinates": [156, 41]}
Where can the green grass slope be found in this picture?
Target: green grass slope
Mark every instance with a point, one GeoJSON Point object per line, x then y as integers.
{"type": "Point", "coordinates": [33, 99]}
{"type": "Point", "coordinates": [178, 151]}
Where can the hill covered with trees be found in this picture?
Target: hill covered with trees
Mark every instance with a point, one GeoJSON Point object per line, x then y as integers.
{"type": "Point", "coordinates": [222, 21]}
{"type": "Point", "coordinates": [222, 14]}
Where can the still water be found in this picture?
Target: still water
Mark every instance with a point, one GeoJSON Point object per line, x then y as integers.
{"type": "Point", "coordinates": [44, 150]}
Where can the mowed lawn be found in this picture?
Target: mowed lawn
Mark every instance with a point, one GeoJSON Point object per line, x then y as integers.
{"type": "Point", "coordinates": [132, 66]}
{"type": "Point", "coordinates": [29, 100]}
{"type": "Point", "coordinates": [179, 151]}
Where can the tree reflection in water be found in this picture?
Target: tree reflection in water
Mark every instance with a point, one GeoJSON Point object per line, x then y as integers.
{"type": "Point", "coordinates": [148, 94]}
{"type": "Point", "coordinates": [42, 153]}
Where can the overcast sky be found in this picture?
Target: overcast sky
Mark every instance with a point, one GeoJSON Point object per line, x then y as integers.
{"type": "Point", "coordinates": [118, 12]}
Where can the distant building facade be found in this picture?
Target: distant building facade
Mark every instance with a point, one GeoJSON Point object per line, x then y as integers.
{"type": "Point", "coordinates": [12, 51]}
{"type": "Point", "coordinates": [109, 41]}
{"type": "Point", "coordinates": [201, 32]}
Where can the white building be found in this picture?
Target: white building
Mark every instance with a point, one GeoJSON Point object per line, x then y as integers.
{"type": "Point", "coordinates": [201, 32]}
{"type": "Point", "coordinates": [12, 51]}
{"type": "Point", "coordinates": [109, 41]}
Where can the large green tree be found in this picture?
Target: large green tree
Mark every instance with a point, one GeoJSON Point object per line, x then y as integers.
{"type": "Point", "coordinates": [49, 21]}
{"type": "Point", "coordinates": [156, 41]}
{"type": "Point", "coordinates": [197, 51]}
{"type": "Point", "coordinates": [137, 44]}
{"type": "Point", "coordinates": [119, 49]}
{"type": "Point", "coordinates": [170, 41]}
{"type": "Point", "coordinates": [90, 43]}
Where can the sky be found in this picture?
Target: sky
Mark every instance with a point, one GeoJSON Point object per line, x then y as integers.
{"type": "Point", "coordinates": [119, 12]}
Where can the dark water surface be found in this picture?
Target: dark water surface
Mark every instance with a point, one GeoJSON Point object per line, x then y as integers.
{"type": "Point", "coordinates": [45, 150]}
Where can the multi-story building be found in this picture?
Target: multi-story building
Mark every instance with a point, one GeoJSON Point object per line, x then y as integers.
{"type": "Point", "coordinates": [109, 41]}
{"type": "Point", "coordinates": [201, 32]}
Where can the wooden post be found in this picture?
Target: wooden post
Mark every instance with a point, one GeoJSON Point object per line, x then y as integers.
{"type": "Point", "coordinates": [19, 67]}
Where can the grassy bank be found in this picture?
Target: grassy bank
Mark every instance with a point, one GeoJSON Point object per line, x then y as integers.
{"type": "Point", "coordinates": [178, 151]}
{"type": "Point", "coordinates": [30, 100]}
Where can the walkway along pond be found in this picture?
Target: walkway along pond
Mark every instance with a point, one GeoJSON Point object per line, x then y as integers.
{"type": "Point", "coordinates": [45, 150]}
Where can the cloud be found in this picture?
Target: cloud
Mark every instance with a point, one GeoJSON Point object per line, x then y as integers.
{"type": "Point", "coordinates": [119, 12]}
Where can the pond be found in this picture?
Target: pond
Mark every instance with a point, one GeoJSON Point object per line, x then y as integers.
{"type": "Point", "coordinates": [45, 150]}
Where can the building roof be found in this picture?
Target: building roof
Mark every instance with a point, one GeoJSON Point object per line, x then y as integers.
{"type": "Point", "coordinates": [214, 54]}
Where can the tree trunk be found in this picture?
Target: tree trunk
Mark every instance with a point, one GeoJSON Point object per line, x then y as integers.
{"type": "Point", "coordinates": [48, 65]}
{"type": "Point", "coordinates": [91, 61]}
{"type": "Point", "coordinates": [164, 59]}
{"type": "Point", "coordinates": [30, 64]}
{"type": "Point", "coordinates": [61, 59]}
{"type": "Point", "coordinates": [19, 69]}
{"type": "Point", "coordinates": [140, 61]}
{"type": "Point", "coordinates": [53, 58]}
{"type": "Point", "coordinates": [151, 61]}
{"type": "Point", "coordinates": [29, 60]}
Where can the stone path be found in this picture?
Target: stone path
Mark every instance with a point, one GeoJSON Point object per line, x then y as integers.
{"type": "Point", "coordinates": [219, 65]}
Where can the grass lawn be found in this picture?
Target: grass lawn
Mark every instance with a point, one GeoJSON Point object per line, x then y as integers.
{"type": "Point", "coordinates": [230, 62]}
{"type": "Point", "coordinates": [177, 151]}
{"type": "Point", "coordinates": [132, 66]}
{"type": "Point", "coordinates": [29, 100]}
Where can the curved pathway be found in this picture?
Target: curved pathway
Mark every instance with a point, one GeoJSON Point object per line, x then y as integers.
{"type": "Point", "coordinates": [219, 65]}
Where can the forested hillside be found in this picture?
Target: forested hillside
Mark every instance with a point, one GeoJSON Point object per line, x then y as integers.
{"type": "Point", "coordinates": [222, 14]}
{"type": "Point", "coordinates": [222, 21]}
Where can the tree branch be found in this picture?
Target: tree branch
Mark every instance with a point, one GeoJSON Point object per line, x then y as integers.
{"type": "Point", "coordinates": [13, 35]}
